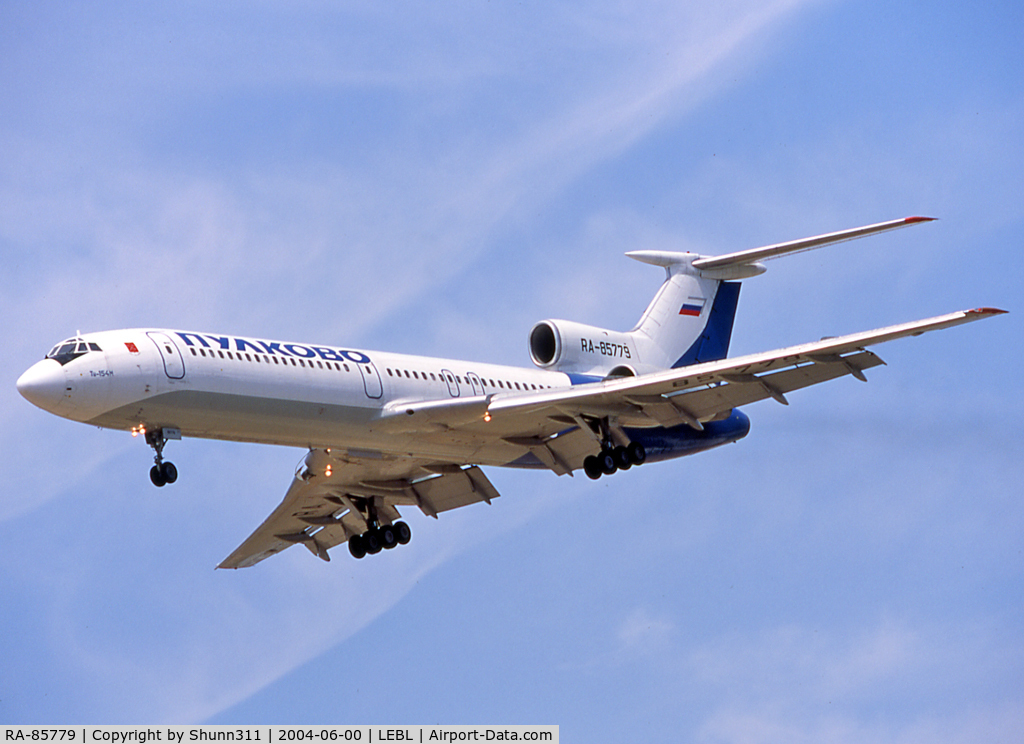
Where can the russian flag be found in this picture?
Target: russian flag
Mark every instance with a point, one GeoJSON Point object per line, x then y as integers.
{"type": "Point", "coordinates": [693, 306]}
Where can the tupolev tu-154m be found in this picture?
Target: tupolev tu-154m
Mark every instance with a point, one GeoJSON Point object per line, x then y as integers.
{"type": "Point", "coordinates": [388, 430]}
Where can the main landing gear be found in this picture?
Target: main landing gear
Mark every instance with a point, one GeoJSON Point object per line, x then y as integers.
{"type": "Point", "coordinates": [376, 539]}
{"type": "Point", "coordinates": [613, 458]}
{"type": "Point", "coordinates": [163, 472]}
{"type": "Point", "coordinates": [378, 536]}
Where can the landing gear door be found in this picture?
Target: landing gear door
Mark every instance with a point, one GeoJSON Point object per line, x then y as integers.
{"type": "Point", "coordinates": [174, 364]}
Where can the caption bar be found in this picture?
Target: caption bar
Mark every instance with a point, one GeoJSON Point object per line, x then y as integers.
{"type": "Point", "coordinates": [272, 734]}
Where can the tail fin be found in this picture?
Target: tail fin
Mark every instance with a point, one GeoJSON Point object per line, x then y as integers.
{"type": "Point", "coordinates": [690, 319]}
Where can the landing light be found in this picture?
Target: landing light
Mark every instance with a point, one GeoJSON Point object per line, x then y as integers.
{"type": "Point", "coordinates": [327, 471]}
{"type": "Point", "coordinates": [487, 416]}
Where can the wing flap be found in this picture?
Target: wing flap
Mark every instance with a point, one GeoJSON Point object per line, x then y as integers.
{"type": "Point", "coordinates": [452, 490]}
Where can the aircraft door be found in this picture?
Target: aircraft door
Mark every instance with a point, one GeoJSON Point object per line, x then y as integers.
{"type": "Point", "coordinates": [174, 364]}
{"type": "Point", "coordinates": [453, 384]}
{"type": "Point", "coordinates": [371, 379]}
{"type": "Point", "coordinates": [474, 380]}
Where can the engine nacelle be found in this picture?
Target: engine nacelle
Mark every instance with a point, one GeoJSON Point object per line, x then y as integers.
{"type": "Point", "coordinates": [565, 346]}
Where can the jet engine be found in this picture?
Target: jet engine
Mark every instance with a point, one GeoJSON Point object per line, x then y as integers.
{"type": "Point", "coordinates": [565, 346]}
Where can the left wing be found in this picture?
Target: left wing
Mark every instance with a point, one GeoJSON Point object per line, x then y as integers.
{"type": "Point", "coordinates": [555, 424]}
{"type": "Point", "coordinates": [335, 496]}
{"type": "Point", "coordinates": [702, 391]}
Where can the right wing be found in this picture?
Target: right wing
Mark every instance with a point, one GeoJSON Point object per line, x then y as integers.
{"type": "Point", "coordinates": [333, 497]}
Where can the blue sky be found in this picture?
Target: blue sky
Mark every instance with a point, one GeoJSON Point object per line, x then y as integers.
{"type": "Point", "coordinates": [435, 179]}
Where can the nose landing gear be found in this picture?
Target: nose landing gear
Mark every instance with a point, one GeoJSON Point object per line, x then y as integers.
{"type": "Point", "coordinates": [163, 472]}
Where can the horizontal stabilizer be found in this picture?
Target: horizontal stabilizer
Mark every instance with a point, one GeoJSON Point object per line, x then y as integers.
{"type": "Point", "coordinates": [742, 258]}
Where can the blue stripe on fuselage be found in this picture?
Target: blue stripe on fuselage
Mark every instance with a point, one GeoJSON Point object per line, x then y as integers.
{"type": "Point", "coordinates": [676, 441]}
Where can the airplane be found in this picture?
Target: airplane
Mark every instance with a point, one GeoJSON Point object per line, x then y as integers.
{"type": "Point", "coordinates": [384, 430]}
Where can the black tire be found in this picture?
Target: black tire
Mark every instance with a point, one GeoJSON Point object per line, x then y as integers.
{"type": "Point", "coordinates": [403, 532]}
{"type": "Point", "coordinates": [622, 459]}
{"type": "Point", "coordinates": [637, 453]}
{"type": "Point", "coordinates": [371, 539]}
{"type": "Point", "coordinates": [607, 462]}
{"type": "Point", "coordinates": [357, 546]}
{"type": "Point", "coordinates": [388, 537]}
{"type": "Point", "coordinates": [156, 474]}
{"type": "Point", "coordinates": [592, 467]}
{"type": "Point", "coordinates": [170, 472]}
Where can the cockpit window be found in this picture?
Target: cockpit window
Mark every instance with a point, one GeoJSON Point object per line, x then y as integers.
{"type": "Point", "coordinates": [71, 349]}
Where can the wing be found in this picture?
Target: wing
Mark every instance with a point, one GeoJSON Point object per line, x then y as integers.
{"type": "Point", "coordinates": [335, 496]}
{"type": "Point", "coordinates": [555, 425]}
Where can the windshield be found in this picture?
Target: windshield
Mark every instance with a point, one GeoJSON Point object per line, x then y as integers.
{"type": "Point", "coordinates": [71, 349]}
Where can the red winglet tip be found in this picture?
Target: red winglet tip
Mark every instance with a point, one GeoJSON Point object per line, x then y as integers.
{"type": "Point", "coordinates": [988, 311]}
{"type": "Point", "coordinates": [912, 220]}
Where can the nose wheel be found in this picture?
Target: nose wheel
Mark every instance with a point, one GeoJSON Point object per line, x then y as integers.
{"type": "Point", "coordinates": [163, 471]}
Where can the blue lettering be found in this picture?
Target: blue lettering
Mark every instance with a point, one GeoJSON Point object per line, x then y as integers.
{"type": "Point", "coordinates": [300, 351]}
{"type": "Point", "coordinates": [273, 347]}
{"type": "Point", "coordinates": [356, 356]}
{"type": "Point", "coordinates": [328, 354]}
{"type": "Point", "coordinates": [188, 341]}
{"type": "Point", "coordinates": [241, 344]}
{"type": "Point", "coordinates": [224, 341]}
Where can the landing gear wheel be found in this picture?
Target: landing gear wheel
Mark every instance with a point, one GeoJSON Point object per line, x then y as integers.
{"type": "Point", "coordinates": [371, 538]}
{"type": "Point", "coordinates": [637, 453]}
{"type": "Point", "coordinates": [169, 472]}
{"type": "Point", "coordinates": [402, 532]}
{"type": "Point", "coordinates": [388, 537]}
{"type": "Point", "coordinates": [592, 467]}
{"type": "Point", "coordinates": [156, 474]}
{"type": "Point", "coordinates": [607, 462]}
{"type": "Point", "coordinates": [162, 472]}
{"type": "Point", "coordinates": [357, 546]}
{"type": "Point", "coordinates": [622, 458]}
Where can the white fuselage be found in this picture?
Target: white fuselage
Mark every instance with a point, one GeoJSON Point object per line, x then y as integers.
{"type": "Point", "coordinates": [252, 390]}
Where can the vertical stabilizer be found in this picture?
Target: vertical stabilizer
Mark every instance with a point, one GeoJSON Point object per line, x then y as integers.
{"type": "Point", "coordinates": [690, 318]}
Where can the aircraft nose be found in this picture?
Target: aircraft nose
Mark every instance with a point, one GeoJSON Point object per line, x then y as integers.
{"type": "Point", "coordinates": [43, 384]}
